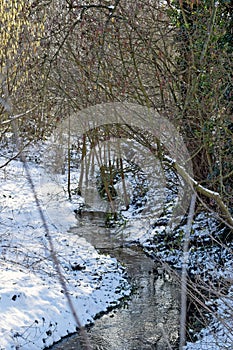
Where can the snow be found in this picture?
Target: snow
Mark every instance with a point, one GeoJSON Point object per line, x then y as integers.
{"type": "Point", "coordinates": [218, 334]}
{"type": "Point", "coordinates": [208, 263]}
{"type": "Point", "coordinates": [34, 310]}
{"type": "Point", "coordinates": [33, 306]}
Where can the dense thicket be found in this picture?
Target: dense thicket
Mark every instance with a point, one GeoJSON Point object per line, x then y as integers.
{"type": "Point", "coordinates": [173, 56]}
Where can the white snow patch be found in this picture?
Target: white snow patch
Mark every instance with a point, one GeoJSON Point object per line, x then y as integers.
{"type": "Point", "coordinates": [34, 310]}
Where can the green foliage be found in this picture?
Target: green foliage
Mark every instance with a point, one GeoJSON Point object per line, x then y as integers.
{"type": "Point", "coordinates": [204, 45]}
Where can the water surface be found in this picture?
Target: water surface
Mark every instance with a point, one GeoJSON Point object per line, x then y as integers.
{"type": "Point", "coordinates": [150, 318]}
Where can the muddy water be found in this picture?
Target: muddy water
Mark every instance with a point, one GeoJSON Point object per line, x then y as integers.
{"type": "Point", "coordinates": [150, 318]}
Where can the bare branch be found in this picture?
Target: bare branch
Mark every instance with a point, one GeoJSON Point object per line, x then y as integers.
{"type": "Point", "coordinates": [202, 190]}
{"type": "Point", "coordinates": [18, 116]}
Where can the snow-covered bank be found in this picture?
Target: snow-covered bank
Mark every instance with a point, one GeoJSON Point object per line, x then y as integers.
{"type": "Point", "coordinates": [211, 268]}
{"type": "Point", "coordinates": [33, 307]}
{"type": "Point", "coordinates": [34, 310]}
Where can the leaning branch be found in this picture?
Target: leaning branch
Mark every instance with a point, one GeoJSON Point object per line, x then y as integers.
{"type": "Point", "coordinates": [17, 116]}
{"type": "Point", "coordinates": [202, 190]}
{"type": "Point", "coordinates": [17, 155]}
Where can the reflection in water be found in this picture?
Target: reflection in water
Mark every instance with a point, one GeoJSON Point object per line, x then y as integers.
{"type": "Point", "coordinates": [150, 319]}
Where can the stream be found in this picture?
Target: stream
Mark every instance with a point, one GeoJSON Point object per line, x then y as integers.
{"type": "Point", "coordinates": [149, 319]}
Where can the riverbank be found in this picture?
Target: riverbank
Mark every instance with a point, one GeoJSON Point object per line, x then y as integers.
{"type": "Point", "coordinates": [34, 310]}
{"type": "Point", "coordinates": [148, 319]}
